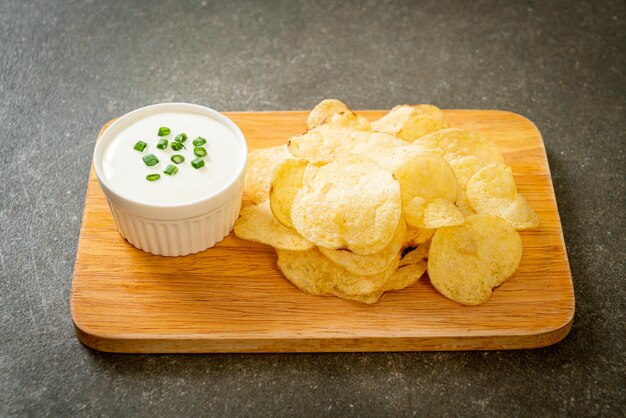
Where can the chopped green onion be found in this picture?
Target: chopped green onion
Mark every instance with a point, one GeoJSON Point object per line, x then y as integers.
{"type": "Point", "coordinates": [177, 158]}
{"type": "Point", "coordinates": [164, 130]}
{"type": "Point", "coordinates": [150, 160]}
{"type": "Point", "coordinates": [162, 144]}
{"type": "Point", "coordinates": [153, 177]}
{"type": "Point", "coordinates": [177, 146]}
{"type": "Point", "coordinates": [199, 152]}
{"type": "Point", "coordinates": [181, 138]}
{"type": "Point", "coordinates": [170, 170]}
{"type": "Point", "coordinates": [199, 141]}
{"type": "Point", "coordinates": [197, 163]}
{"type": "Point", "coordinates": [140, 146]}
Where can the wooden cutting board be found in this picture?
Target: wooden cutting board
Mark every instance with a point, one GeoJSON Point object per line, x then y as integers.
{"type": "Point", "coordinates": [232, 298]}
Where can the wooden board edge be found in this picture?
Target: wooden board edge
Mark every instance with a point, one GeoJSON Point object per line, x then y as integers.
{"type": "Point", "coordinates": [169, 345]}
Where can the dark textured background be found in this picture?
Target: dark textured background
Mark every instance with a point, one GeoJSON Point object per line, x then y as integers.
{"type": "Point", "coordinates": [66, 67]}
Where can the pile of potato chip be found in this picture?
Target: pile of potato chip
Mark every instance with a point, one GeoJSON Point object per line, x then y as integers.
{"type": "Point", "coordinates": [356, 208]}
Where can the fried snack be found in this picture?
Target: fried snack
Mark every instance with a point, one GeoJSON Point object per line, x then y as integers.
{"type": "Point", "coordinates": [260, 171]}
{"type": "Point", "coordinates": [429, 190]}
{"type": "Point", "coordinates": [372, 263]}
{"type": "Point", "coordinates": [416, 236]}
{"type": "Point", "coordinates": [466, 262]}
{"type": "Point", "coordinates": [313, 273]}
{"type": "Point", "coordinates": [352, 204]}
{"type": "Point", "coordinates": [286, 183]}
{"type": "Point", "coordinates": [411, 122]}
{"type": "Point", "coordinates": [328, 142]}
{"type": "Point", "coordinates": [406, 275]}
{"type": "Point", "coordinates": [492, 190]}
{"type": "Point", "coordinates": [336, 113]}
{"type": "Point", "coordinates": [257, 223]}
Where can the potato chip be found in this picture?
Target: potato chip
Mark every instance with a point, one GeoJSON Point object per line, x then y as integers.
{"type": "Point", "coordinates": [256, 223]}
{"type": "Point", "coordinates": [461, 142]}
{"type": "Point", "coordinates": [260, 171]}
{"type": "Point", "coordinates": [492, 190]}
{"type": "Point", "coordinates": [411, 122]}
{"type": "Point", "coordinates": [349, 120]}
{"type": "Point", "coordinates": [467, 261]}
{"type": "Point", "coordinates": [406, 275]}
{"type": "Point", "coordinates": [327, 142]}
{"type": "Point", "coordinates": [320, 144]}
{"type": "Point", "coordinates": [416, 236]}
{"type": "Point", "coordinates": [324, 110]}
{"type": "Point", "coordinates": [372, 263]}
{"type": "Point", "coordinates": [313, 273]}
{"type": "Point", "coordinates": [287, 181]}
{"type": "Point", "coordinates": [352, 204]}
{"type": "Point", "coordinates": [429, 189]}
{"type": "Point", "coordinates": [416, 255]}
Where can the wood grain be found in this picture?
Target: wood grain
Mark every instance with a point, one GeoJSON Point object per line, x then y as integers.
{"type": "Point", "coordinates": [232, 298]}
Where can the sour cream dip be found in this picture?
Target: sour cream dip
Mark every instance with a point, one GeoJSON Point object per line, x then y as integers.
{"type": "Point", "coordinates": [181, 213]}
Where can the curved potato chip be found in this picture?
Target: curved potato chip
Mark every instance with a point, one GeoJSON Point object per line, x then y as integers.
{"type": "Point", "coordinates": [353, 204]}
{"type": "Point", "coordinates": [336, 113]}
{"type": "Point", "coordinates": [260, 171]}
{"type": "Point", "coordinates": [406, 275]}
{"type": "Point", "coordinates": [417, 255]}
{"type": "Point", "coordinates": [372, 263]}
{"type": "Point", "coordinates": [467, 261]}
{"type": "Point", "coordinates": [313, 273]}
{"type": "Point", "coordinates": [492, 190]}
{"type": "Point", "coordinates": [327, 142]}
{"type": "Point", "coordinates": [287, 181]}
{"type": "Point", "coordinates": [323, 111]}
{"type": "Point", "coordinates": [462, 203]}
{"type": "Point", "coordinates": [426, 183]}
{"type": "Point", "coordinates": [416, 236]}
{"type": "Point", "coordinates": [320, 144]}
{"type": "Point", "coordinates": [461, 142]}
{"type": "Point", "coordinates": [256, 223]}
{"type": "Point", "coordinates": [411, 122]}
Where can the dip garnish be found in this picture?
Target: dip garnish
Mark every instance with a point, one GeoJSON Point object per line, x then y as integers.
{"type": "Point", "coordinates": [164, 130]}
{"type": "Point", "coordinates": [170, 170]}
{"type": "Point", "coordinates": [177, 158]}
{"type": "Point", "coordinates": [199, 152]}
{"type": "Point", "coordinates": [153, 177]}
{"type": "Point", "coordinates": [162, 144]}
{"type": "Point", "coordinates": [197, 163]}
{"type": "Point", "coordinates": [199, 141]}
{"type": "Point", "coordinates": [140, 146]}
{"type": "Point", "coordinates": [150, 160]}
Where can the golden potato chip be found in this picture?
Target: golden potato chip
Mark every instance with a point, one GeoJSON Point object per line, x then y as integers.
{"type": "Point", "coordinates": [323, 111]}
{"type": "Point", "coordinates": [416, 255]}
{"type": "Point", "coordinates": [428, 187]}
{"type": "Point", "coordinates": [287, 181]}
{"type": "Point", "coordinates": [492, 190]}
{"type": "Point", "coordinates": [467, 261]}
{"type": "Point", "coordinates": [406, 275]}
{"type": "Point", "coordinates": [320, 144]}
{"type": "Point", "coordinates": [462, 203]}
{"type": "Point", "coordinates": [411, 122]}
{"type": "Point", "coordinates": [464, 167]}
{"type": "Point", "coordinates": [371, 263]}
{"type": "Point", "coordinates": [256, 223]}
{"type": "Point", "coordinates": [313, 273]}
{"type": "Point", "coordinates": [260, 171]}
{"type": "Point", "coordinates": [353, 204]}
{"type": "Point", "coordinates": [416, 236]}
{"type": "Point", "coordinates": [336, 113]}
{"type": "Point", "coordinates": [327, 142]}
{"type": "Point", "coordinates": [461, 142]}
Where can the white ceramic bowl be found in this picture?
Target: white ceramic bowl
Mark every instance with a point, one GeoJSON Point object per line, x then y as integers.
{"type": "Point", "coordinates": [180, 228]}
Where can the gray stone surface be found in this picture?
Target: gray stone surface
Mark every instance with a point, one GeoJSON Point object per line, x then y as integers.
{"type": "Point", "coordinates": [66, 67]}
